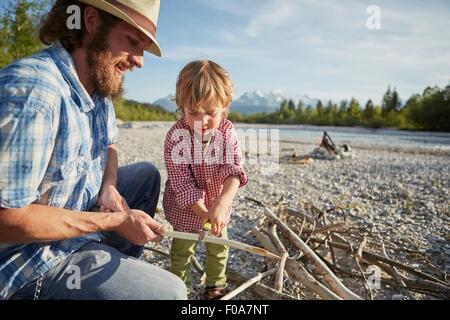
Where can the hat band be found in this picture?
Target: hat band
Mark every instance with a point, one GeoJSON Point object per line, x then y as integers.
{"type": "Point", "coordinates": [138, 17]}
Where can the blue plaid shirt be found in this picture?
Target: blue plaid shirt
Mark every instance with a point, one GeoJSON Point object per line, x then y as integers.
{"type": "Point", "coordinates": [53, 150]}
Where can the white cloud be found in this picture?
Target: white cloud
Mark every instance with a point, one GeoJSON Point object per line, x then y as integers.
{"type": "Point", "coordinates": [271, 15]}
{"type": "Point", "coordinates": [238, 8]}
{"type": "Point", "coordinates": [197, 52]}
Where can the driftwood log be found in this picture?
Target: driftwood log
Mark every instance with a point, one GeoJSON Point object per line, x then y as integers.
{"type": "Point", "coordinates": [308, 230]}
{"type": "Point", "coordinates": [297, 271]}
{"type": "Point", "coordinates": [334, 282]}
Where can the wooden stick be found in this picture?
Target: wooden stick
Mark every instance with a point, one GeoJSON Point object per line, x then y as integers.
{"type": "Point", "coordinates": [157, 251]}
{"type": "Point", "coordinates": [427, 285]}
{"type": "Point", "coordinates": [278, 283]}
{"type": "Point", "coordinates": [276, 240]}
{"type": "Point", "coordinates": [259, 288]}
{"type": "Point", "coordinates": [333, 255]}
{"type": "Point", "coordinates": [326, 228]}
{"type": "Point", "coordinates": [297, 213]}
{"type": "Point", "coordinates": [422, 288]}
{"type": "Point", "coordinates": [357, 256]}
{"type": "Point", "coordinates": [394, 272]}
{"type": "Point", "coordinates": [197, 265]}
{"type": "Point", "coordinates": [247, 284]}
{"type": "Point", "coordinates": [361, 247]}
{"type": "Point", "coordinates": [329, 276]}
{"type": "Point", "coordinates": [221, 241]}
{"type": "Point", "coordinates": [297, 271]}
{"type": "Point", "coordinates": [265, 240]}
{"type": "Point", "coordinates": [376, 257]}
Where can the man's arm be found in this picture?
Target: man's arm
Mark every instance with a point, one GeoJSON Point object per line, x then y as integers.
{"type": "Point", "coordinates": [109, 198]}
{"type": "Point", "coordinates": [39, 223]}
{"type": "Point", "coordinates": [110, 174]}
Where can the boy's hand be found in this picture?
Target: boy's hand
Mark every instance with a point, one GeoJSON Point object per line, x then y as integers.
{"type": "Point", "coordinates": [217, 213]}
{"type": "Point", "coordinates": [217, 217]}
{"type": "Point", "coordinates": [200, 210]}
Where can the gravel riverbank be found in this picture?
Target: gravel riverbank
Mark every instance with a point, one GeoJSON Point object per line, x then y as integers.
{"type": "Point", "coordinates": [402, 194]}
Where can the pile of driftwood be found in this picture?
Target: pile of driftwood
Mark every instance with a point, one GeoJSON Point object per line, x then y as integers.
{"type": "Point", "coordinates": [332, 260]}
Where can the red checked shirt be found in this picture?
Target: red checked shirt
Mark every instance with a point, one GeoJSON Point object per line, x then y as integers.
{"type": "Point", "coordinates": [197, 174]}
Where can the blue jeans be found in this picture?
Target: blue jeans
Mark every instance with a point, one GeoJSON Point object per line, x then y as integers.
{"type": "Point", "coordinates": [110, 270]}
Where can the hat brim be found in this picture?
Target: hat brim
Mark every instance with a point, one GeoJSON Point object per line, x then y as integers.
{"type": "Point", "coordinates": [107, 7]}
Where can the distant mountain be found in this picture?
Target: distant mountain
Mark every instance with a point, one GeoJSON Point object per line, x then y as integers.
{"type": "Point", "coordinates": [251, 102]}
{"type": "Point", "coordinates": [167, 103]}
{"type": "Point", "coordinates": [258, 101]}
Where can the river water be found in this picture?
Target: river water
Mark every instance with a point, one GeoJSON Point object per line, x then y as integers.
{"type": "Point", "coordinates": [437, 141]}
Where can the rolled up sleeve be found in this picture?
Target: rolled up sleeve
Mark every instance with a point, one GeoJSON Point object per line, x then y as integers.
{"type": "Point", "coordinates": [113, 132]}
{"type": "Point", "coordinates": [233, 165]}
{"type": "Point", "coordinates": [234, 170]}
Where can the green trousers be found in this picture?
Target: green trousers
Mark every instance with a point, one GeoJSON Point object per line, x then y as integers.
{"type": "Point", "coordinates": [182, 252]}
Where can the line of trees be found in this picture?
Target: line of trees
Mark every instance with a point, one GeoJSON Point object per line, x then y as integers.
{"type": "Point", "coordinates": [429, 111]}
{"type": "Point", "coordinates": [19, 24]}
{"type": "Point", "coordinates": [129, 110]}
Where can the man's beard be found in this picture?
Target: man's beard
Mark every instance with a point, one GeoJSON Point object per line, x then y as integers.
{"type": "Point", "coordinates": [103, 72]}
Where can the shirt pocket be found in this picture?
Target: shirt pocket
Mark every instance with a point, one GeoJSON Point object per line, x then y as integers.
{"type": "Point", "coordinates": [69, 185]}
{"type": "Point", "coordinates": [73, 169]}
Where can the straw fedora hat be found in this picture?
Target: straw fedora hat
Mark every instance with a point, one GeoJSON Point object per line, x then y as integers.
{"type": "Point", "coordinates": [141, 14]}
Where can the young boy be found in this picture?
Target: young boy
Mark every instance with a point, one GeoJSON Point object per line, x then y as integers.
{"type": "Point", "coordinates": [203, 161]}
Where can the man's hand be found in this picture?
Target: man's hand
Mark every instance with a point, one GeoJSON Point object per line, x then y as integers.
{"type": "Point", "coordinates": [139, 228]}
{"type": "Point", "coordinates": [110, 200]}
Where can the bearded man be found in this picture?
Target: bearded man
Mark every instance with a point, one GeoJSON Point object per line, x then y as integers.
{"type": "Point", "coordinates": [58, 162]}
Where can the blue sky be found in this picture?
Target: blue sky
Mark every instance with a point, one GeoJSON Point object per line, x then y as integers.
{"type": "Point", "coordinates": [319, 48]}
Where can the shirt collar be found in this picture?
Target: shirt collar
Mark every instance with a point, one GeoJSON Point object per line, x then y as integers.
{"type": "Point", "coordinates": [63, 59]}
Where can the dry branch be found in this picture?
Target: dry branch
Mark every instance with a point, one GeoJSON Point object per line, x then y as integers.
{"type": "Point", "coordinates": [247, 284]}
{"type": "Point", "coordinates": [297, 213]}
{"type": "Point", "coordinates": [297, 271]}
{"type": "Point", "coordinates": [373, 257]}
{"type": "Point", "coordinates": [329, 276]}
{"type": "Point", "coordinates": [278, 282]}
{"type": "Point", "coordinates": [259, 288]}
{"type": "Point", "coordinates": [394, 272]}
{"type": "Point", "coordinates": [327, 228]}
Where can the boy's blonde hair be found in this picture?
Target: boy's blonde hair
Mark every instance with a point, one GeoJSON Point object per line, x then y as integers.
{"type": "Point", "coordinates": [201, 81]}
